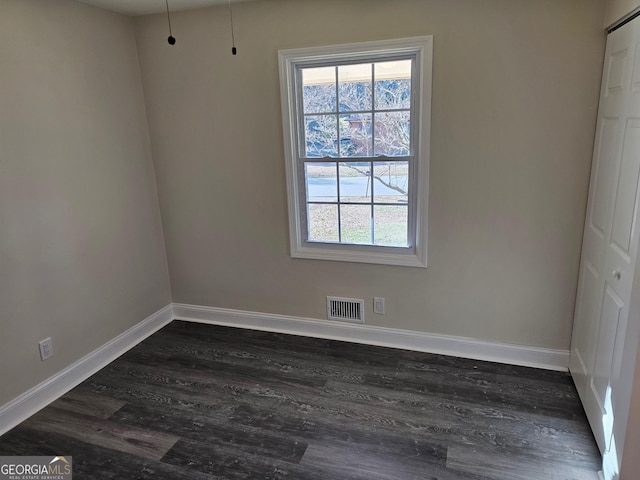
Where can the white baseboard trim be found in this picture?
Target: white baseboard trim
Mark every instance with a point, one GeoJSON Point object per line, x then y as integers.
{"type": "Point", "coordinates": [46, 392]}
{"type": "Point", "coordinates": [30, 402]}
{"type": "Point", "coordinates": [537, 357]}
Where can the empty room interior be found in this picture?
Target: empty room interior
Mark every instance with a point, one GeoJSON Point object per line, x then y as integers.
{"type": "Point", "coordinates": [321, 239]}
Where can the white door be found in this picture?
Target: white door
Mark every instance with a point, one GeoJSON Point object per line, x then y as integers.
{"type": "Point", "coordinates": [610, 243]}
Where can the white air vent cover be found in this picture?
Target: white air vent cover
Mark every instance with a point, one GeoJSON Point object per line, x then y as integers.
{"type": "Point", "coordinates": [345, 309]}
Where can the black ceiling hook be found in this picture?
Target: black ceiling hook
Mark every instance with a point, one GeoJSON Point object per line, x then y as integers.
{"type": "Point", "coordinates": [171, 39]}
{"type": "Point", "coordinates": [234, 50]}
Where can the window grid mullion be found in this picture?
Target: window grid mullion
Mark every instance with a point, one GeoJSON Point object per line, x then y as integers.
{"type": "Point", "coordinates": [384, 158]}
{"type": "Point", "coordinates": [358, 112]}
{"type": "Point", "coordinates": [373, 223]}
{"type": "Point", "coordinates": [338, 201]}
{"type": "Point", "coordinates": [373, 115]}
{"type": "Point", "coordinates": [388, 204]}
{"type": "Point", "coordinates": [337, 114]}
{"type": "Point", "coordinates": [373, 148]}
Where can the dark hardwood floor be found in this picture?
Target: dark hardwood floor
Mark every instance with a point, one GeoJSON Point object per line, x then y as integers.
{"type": "Point", "coordinates": [197, 401]}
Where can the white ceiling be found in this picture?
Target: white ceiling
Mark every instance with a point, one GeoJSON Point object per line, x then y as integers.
{"type": "Point", "coordinates": [144, 7]}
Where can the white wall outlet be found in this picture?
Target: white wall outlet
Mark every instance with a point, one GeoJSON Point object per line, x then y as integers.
{"type": "Point", "coordinates": [46, 348]}
{"type": "Point", "coordinates": [378, 305]}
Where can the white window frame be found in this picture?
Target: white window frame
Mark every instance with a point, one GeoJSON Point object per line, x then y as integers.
{"type": "Point", "coordinates": [420, 48]}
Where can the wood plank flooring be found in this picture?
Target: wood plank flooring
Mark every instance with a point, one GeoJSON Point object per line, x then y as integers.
{"type": "Point", "coordinates": [197, 401]}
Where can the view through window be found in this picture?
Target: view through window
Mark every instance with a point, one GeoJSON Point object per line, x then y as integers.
{"type": "Point", "coordinates": [359, 116]}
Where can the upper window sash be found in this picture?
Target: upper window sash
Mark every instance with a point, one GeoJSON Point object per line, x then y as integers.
{"type": "Point", "coordinates": [380, 58]}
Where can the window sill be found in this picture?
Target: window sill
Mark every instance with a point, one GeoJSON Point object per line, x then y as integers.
{"type": "Point", "coordinates": [408, 259]}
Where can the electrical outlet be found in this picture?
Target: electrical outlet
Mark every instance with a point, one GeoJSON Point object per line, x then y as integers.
{"type": "Point", "coordinates": [378, 305]}
{"type": "Point", "coordinates": [46, 348]}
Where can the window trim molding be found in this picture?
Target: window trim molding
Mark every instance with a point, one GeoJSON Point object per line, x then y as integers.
{"type": "Point", "coordinates": [422, 48]}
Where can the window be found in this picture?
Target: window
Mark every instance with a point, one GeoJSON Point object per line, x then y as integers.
{"type": "Point", "coordinates": [356, 128]}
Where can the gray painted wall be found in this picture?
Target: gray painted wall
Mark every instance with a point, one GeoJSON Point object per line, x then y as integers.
{"type": "Point", "coordinates": [82, 255]}
{"type": "Point", "coordinates": [515, 93]}
{"type": "Point", "coordinates": [616, 9]}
